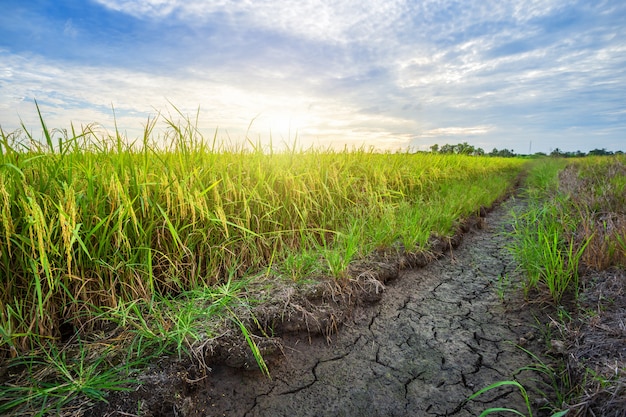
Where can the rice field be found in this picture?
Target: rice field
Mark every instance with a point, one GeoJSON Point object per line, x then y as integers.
{"type": "Point", "coordinates": [92, 221]}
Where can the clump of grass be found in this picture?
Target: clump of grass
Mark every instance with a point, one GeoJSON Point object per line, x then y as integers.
{"type": "Point", "coordinates": [575, 216]}
{"type": "Point", "coordinates": [58, 377]}
{"type": "Point", "coordinates": [547, 250]}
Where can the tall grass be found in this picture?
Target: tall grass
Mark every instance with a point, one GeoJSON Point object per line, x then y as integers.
{"type": "Point", "coordinates": [91, 221]}
{"type": "Point", "coordinates": [547, 249]}
{"type": "Point", "coordinates": [576, 215]}
{"type": "Point", "coordinates": [596, 188]}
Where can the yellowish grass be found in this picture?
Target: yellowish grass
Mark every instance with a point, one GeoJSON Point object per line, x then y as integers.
{"type": "Point", "coordinates": [89, 221]}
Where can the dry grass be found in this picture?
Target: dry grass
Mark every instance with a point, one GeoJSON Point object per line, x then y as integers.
{"type": "Point", "coordinates": [596, 363]}
{"type": "Point", "coordinates": [597, 189]}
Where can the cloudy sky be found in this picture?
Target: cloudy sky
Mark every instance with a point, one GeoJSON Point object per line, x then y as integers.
{"type": "Point", "coordinates": [517, 74]}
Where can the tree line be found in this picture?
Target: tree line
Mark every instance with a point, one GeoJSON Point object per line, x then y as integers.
{"type": "Point", "coordinates": [467, 149]}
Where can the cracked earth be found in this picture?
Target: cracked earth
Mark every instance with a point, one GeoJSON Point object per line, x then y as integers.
{"type": "Point", "coordinates": [438, 334]}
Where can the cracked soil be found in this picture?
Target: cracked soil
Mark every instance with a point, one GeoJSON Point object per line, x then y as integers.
{"type": "Point", "coordinates": [438, 334]}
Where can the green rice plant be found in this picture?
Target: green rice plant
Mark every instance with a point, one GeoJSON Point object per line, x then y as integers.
{"type": "Point", "coordinates": [344, 248]}
{"type": "Point", "coordinates": [538, 366]}
{"type": "Point", "coordinates": [94, 224]}
{"type": "Point", "coordinates": [523, 393]}
{"type": "Point", "coordinates": [58, 378]}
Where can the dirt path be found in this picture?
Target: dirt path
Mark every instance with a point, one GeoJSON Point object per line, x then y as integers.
{"type": "Point", "coordinates": [439, 334]}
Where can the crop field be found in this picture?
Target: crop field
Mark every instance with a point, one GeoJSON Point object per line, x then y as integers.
{"type": "Point", "coordinates": [95, 230]}
{"type": "Point", "coordinates": [91, 222]}
{"type": "Point", "coordinates": [131, 248]}
{"type": "Point", "coordinates": [117, 252]}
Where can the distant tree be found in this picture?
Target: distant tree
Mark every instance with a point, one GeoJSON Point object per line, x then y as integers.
{"type": "Point", "coordinates": [464, 149]}
{"type": "Point", "coordinates": [446, 149]}
{"type": "Point", "coordinates": [504, 153]}
{"type": "Point", "coordinates": [556, 153]}
{"type": "Point", "coordinates": [460, 149]}
{"type": "Point", "coordinates": [600, 152]}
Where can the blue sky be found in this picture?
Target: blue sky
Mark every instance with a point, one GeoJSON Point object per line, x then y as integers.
{"type": "Point", "coordinates": [393, 74]}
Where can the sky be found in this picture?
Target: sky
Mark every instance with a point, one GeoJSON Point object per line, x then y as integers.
{"type": "Point", "coordinates": [526, 75]}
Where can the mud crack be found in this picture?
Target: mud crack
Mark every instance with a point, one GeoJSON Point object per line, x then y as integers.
{"type": "Point", "coordinates": [435, 335]}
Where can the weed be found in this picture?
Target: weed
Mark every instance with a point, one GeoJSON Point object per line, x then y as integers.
{"type": "Point", "coordinates": [502, 285]}
{"type": "Point", "coordinates": [558, 383]}
{"type": "Point", "coordinates": [555, 385]}
{"type": "Point", "coordinates": [567, 223]}
{"type": "Point", "coordinates": [298, 266]}
{"type": "Point", "coordinates": [54, 380]}
{"type": "Point", "coordinates": [523, 393]}
{"type": "Point", "coordinates": [501, 409]}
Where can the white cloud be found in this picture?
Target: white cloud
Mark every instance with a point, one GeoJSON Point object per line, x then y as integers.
{"type": "Point", "coordinates": [137, 95]}
{"type": "Point", "coordinates": [345, 21]}
{"type": "Point", "coordinates": [457, 131]}
{"type": "Point", "coordinates": [390, 73]}
{"type": "Point", "coordinates": [143, 8]}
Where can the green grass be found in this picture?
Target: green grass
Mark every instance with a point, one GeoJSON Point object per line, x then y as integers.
{"type": "Point", "coordinates": [548, 377]}
{"type": "Point", "coordinates": [90, 221]}
{"type": "Point", "coordinates": [56, 377]}
{"type": "Point", "coordinates": [547, 249]}
{"type": "Point", "coordinates": [575, 216]}
{"type": "Point", "coordinates": [160, 236]}
{"type": "Point", "coordinates": [528, 412]}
